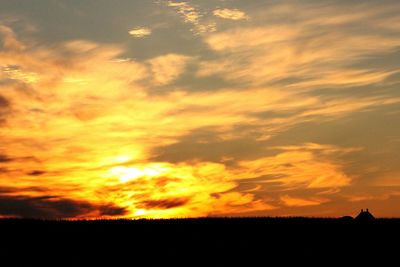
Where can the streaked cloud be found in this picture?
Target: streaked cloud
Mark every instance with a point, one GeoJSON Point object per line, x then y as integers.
{"type": "Point", "coordinates": [298, 168]}
{"type": "Point", "coordinates": [140, 32]}
{"type": "Point", "coordinates": [285, 51]}
{"type": "Point", "coordinates": [232, 14]}
{"type": "Point", "coordinates": [300, 202]}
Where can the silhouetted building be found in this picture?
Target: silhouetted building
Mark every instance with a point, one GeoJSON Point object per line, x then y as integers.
{"type": "Point", "coordinates": [346, 218]}
{"type": "Point", "coordinates": [365, 215]}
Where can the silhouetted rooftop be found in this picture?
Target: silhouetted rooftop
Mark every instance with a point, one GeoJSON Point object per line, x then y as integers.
{"type": "Point", "coordinates": [365, 215]}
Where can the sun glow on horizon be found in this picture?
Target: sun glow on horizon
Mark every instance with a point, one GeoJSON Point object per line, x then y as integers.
{"type": "Point", "coordinates": [127, 174]}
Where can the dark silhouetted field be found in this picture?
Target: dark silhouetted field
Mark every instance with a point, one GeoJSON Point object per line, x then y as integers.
{"type": "Point", "coordinates": [210, 242]}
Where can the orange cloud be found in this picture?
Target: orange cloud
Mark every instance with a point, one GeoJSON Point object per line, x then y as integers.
{"type": "Point", "coordinates": [300, 202]}
{"type": "Point", "coordinates": [297, 168]}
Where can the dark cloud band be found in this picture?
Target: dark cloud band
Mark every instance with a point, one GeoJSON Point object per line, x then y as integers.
{"type": "Point", "coordinates": [49, 207]}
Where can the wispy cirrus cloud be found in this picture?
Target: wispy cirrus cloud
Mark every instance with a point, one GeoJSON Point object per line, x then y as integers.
{"type": "Point", "coordinates": [299, 51]}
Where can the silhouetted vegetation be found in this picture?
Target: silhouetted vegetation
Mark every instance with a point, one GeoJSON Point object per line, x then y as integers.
{"type": "Point", "coordinates": [203, 240]}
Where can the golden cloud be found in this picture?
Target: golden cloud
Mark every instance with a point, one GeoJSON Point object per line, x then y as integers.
{"type": "Point", "coordinates": [83, 123]}
{"type": "Point", "coordinates": [320, 49]}
{"type": "Point", "coordinates": [140, 32]}
{"type": "Point", "coordinates": [87, 132]}
{"type": "Point", "coordinates": [298, 167]}
{"type": "Point", "coordinates": [300, 202]}
{"type": "Point", "coordinates": [232, 14]}
{"type": "Point", "coordinates": [167, 68]}
{"type": "Point", "coordinates": [191, 15]}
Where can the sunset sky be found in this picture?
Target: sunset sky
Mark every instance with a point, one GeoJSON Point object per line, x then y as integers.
{"type": "Point", "coordinates": [160, 109]}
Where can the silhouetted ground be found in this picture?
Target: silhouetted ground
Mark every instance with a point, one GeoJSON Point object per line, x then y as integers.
{"type": "Point", "coordinates": [189, 242]}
